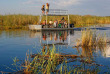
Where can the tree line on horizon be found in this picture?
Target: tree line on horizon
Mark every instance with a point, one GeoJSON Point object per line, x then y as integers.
{"type": "Point", "coordinates": [24, 20]}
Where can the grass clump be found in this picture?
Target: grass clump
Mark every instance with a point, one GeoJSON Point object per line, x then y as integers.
{"type": "Point", "coordinates": [45, 63]}
{"type": "Point", "coordinates": [48, 61]}
{"type": "Point", "coordinates": [89, 38]}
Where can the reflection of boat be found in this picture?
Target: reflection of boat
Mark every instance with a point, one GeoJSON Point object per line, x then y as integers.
{"type": "Point", "coordinates": [53, 37]}
{"type": "Point", "coordinates": [53, 12]}
{"type": "Point", "coordinates": [55, 44]}
{"type": "Point", "coordinates": [34, 34]}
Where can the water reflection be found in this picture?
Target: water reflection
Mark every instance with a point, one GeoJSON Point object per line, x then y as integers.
{"type": "Point", "coordinates": [66, 38]}
{"type": "Point", "coordinates": [53, 37]}
{"type": "Point", "coordinates": [14, 33]}
{"type": "Point", "coordinates": [88, 55]}
{"type": "Point", "coordinates": [106, 52]}
{"type": "Point", "coordinates": [85, 62]}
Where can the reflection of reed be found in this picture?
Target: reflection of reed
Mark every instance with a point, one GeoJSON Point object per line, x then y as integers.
{"type": "Point", "coordinates": [15, 33]}
{"type": "Point", "coordinates": [87, 52]}
{"type": "Point", "coordinates": [106, 51]}
{"type": "Point", "coordinates": [1, 32]}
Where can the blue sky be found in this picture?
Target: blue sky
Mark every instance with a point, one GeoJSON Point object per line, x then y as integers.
{"type": "Point", "coordinates": [79, 7]}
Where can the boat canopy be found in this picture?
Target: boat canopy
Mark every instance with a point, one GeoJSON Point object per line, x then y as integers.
{"type": "Point", "coordinates": [57, 12]}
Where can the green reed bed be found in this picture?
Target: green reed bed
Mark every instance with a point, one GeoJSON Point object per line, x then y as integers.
{"type": "Point", "coordinates": [88, 20]}
{"type": "Point", "coordinates": [19, 21]}
{"type": "Point", "coordinates": [45, 63]}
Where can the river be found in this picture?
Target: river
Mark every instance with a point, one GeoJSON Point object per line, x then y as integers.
{"type": "Point", "coordinates": [16, 43]}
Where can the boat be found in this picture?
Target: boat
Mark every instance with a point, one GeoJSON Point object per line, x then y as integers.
{"type": "Point", "coordinates": [52, 12]}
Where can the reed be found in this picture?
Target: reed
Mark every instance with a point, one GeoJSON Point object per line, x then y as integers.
{"type": "Point", "coordinates": [18, 21]}
{"type": "Point", "coordinates": [102, 42]}
{"type": "Point", "coordinates": [51, 62]}
{"type": "Point", "coordinates": [89, 38]}
{"type": "Point", "coordinates": [48, 61]}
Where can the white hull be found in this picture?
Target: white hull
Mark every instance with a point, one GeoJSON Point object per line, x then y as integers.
{"type": "Point", "coordinates": [39, 27]}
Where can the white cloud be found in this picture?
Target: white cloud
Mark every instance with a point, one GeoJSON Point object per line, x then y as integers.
{"type": "Point", "coordinates": [29, 2]}
{"type": "Point", "coordinates": [67, 2]}
{"type": "Point", "coordinates": [54, 2]}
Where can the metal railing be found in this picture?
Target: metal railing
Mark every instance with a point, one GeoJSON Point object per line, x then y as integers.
{"type": "Point", "coordinates": [57, 12]}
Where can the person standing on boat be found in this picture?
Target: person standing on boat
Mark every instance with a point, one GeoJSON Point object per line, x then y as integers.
{"type": "Point", "coordinates": [65, 24]}
{"type": "Point", "coordinates": [62, 19]}
{"type": "Point", "coordinates": [43, 9]}
{"type": "Point", "coordinates": [44, 24]}
{"type": "Point", "coordinates": [59, 26]}
{"type": "Point", "coordinates": [47, 8]}
{"type": "Point", "coordinates": [50, 23]}
{"type": "Point", "coordinates": [55, 24]}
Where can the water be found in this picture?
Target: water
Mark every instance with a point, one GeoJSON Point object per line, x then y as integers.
{"type": "Point", "coordinates": [15, 43]}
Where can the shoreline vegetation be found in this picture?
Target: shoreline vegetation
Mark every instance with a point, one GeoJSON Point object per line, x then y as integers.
{"type": "Point", "coordinates": [19, 21]}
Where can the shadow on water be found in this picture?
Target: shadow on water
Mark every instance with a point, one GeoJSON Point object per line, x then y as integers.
{"type": "Point", "coordinates": [96, 28]}
{"type": "Point", "coordinates": [101, 28]}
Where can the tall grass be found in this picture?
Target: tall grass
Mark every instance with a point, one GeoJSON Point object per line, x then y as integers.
{"type": "Point", "coordinates": [19, 21]}
{"type": "Point", "coordinates": [89, 38]}
{"type": "Point", "coordinates": [52, 62]}
{"type": "Point", "coordinates": [45, 63]}
{"type": "Point", "coordinates": [48, 61]}
{"type": "Point", "coordinates": [88, 20]}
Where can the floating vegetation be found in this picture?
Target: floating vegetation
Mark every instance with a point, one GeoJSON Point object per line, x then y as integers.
{"type": "Point", "coordinates": [49, 61]}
